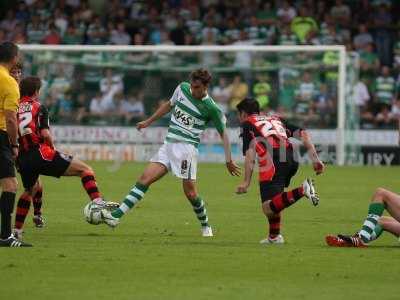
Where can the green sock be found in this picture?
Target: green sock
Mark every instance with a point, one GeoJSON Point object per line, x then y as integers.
{"type": "Point", "coordinates": [135, 195]}
{"type": "Point", "coordinates": [200, 211]}
{"type": "Point", "coordinates": [375, 211]}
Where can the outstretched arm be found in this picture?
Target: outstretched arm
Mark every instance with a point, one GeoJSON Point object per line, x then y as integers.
{"type": "Point", "coordinates": [160, 112]}
{"type": "Point", "coordinates": [318, 165]}
{"type": "Point", "coordinates": [230, 165]}
{"type": "Point", "coordinates": [248, 171]}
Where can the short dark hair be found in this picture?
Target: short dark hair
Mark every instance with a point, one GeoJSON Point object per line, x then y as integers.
{"type": "Point", "coordinates": [29, 86]}
{"type": "Point", "coordinates": [249, 106]}
{"type": "Point", "coordinates": [202, 75]}
{"type": "Point", "coordinates": [8, 51]}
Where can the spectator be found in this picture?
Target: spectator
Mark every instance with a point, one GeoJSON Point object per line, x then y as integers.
{"type": "Point", "coordinates": [232, 33]}
{"type": "Point", "coordinates": [341, 13]}
{"type": "Point", "coordinates": [255, 32]}
{"type": "Point", "coordinates": [361, 94]}
{"type": "Point", "coordinates": [96, 107]}
{"type": "Point", "coordinates": [363, 38]}
{"type": "Point", "coordinates": [132, 109]}
{"type": "Point", "coordinates": [72, 36]}
{"type": "Point", "coordinates": [396, 50]}
{"type": "Point", "coordinates": [307, 90]}
{"type": "Point", "coordinates": [8, 24]}
{"type": "Point", "coordinates": [52, 37]}
{"type": "Point", "coordinates": [53, 107]}
{"type": "Point", "coordinates": [96, 32]}
{"type": "Point", "coordinates": [286, 36]}
{"type": "Point", "coordinates": [382, 21]}
{"type": "Point", "coordinates": [324, 105]}
{"type": "Point", "coordinates": [221, 93]}
{"type": "Point", "coordinates": [331, 37]}
{"type": "Point", "coordinates": [286, 13]}
{"type": "Point", "coordinates": [266, 15]}
{"type": "Point", "coordinates": [35, 30]}
{"type": "Point", "coordinates": [60, 21]}
{"type": "Point", "coordinates": [385, 87]}
{"type": "Point", "coordinates": [304, 25]}
{"type": "Point", "coordinates": [22, 15]}
{"type": "Point", "coordinates": [243, 58]}
{"type": "Point", "coordinates": [262, 90]}
{"type": "Point", "coordinates": [395, 111]}
{"type": "Point", "coordinates": [369, 62]}
{"type": "Point", "coordinates": [81, 108]}
{"type": "Point", "coordinates": [210, 29]}
{"type": "Point", "coordinates": [177, 35]}
{"type": "Point", "coordinates": [194, 23]}
{"type": "Point", "coordinates": [111, 83]}
{"type": "Point", "coordinates": [66, 107]}
{"type": "Point", "coordinates": [384, 119]}
{"type": "Point", "coordinates": [239, 91]}
{"type": "Point", "coordinates": [119, 36]}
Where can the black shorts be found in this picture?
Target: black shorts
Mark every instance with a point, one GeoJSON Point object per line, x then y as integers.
{"type": "Point", "coordinates": [41, 161]}
{"type": "Point", "coordinates": [284, 171]}
{"type": "Point", "coordinates": [7, 165]}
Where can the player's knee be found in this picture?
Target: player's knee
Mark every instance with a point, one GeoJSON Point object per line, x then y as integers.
{"type": "Point", "coordinates": [267, 208]}
{"type": "Point", "coordinates": [379, 194]}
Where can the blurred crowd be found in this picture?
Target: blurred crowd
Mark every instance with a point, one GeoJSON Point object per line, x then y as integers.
{"type": "Point", "coordinates": [369, 28]}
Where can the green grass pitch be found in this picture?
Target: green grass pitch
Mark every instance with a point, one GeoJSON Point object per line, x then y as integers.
{"type": "Point", "coordinates": [157, 251]}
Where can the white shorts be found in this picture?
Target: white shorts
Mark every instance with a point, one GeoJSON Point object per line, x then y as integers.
{"type": "Point", "coordinates": [180, 158]}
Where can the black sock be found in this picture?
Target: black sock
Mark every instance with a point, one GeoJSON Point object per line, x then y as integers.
{"type": "Point", "coordinates": [7, 200]}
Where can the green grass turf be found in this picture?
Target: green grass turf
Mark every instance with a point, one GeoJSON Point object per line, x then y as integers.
{"type": "Point", "coordinates": [157, 251]}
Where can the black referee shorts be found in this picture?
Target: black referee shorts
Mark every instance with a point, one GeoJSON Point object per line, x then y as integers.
{"type": "Point", "coordinates": [284, 171]}
{"type": "Point", "coordinates": [7, 166]}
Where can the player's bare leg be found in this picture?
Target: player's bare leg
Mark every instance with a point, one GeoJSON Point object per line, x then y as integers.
{"type": "Point", "coordinates": [391, 225]}
{"type": "Point", "coordinates": [153, 172]}
{"type": "Point", "coordinates": [190, 190]}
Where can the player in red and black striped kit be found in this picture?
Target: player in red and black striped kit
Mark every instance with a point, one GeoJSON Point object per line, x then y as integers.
{"type": "Point", "coordinates": [23, 204]}
{"type": "Point", "coordinates": [267, 138]}
{"type": "Point", "coordinates": [37, 154]}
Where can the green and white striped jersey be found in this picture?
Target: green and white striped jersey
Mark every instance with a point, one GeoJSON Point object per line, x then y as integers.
{"type": "Point", "coordinates": [190, 116]}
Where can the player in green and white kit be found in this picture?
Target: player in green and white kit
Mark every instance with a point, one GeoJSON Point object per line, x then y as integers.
{"type": "Point", "coordinates": [192, 108]}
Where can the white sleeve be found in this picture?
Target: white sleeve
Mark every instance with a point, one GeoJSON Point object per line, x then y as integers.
{"type": "Point", "coordinates": [175, 96]}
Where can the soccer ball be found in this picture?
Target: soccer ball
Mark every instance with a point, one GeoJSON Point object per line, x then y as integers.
{"type": "Point", "coordinates": [92, 213]}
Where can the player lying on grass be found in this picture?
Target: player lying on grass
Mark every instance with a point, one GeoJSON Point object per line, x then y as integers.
{"type": "Point", "coordinates": [192, 108]}
{"type": "Point", "coordinates": [37, 154]}
{"type": "Point", "coordinates": [375, 223]}
{"type": "Point", "coordinates": [23, 205]}
{"type": "Point", "coordinates": [267, 138]}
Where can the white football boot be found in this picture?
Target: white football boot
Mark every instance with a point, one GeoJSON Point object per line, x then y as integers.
{"type": "Point", "coordinates": [279, 240]}
{"type": "Point", "coordinates": [108, 218]}
{"type": "Point", "coordinates": [309, 191]}
{"type": "Point", "coordinates": [206, 231]}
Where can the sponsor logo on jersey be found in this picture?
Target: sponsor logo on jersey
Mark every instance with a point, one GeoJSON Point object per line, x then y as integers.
{"type": "Point", "coordinates": [183, 118]}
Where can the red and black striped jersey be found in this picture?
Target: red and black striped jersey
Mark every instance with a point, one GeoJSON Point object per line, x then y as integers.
{"type": "Point", "coordinates": [263, 129]}
{"type": "Point", "coordinates": [32, 118]}
{"type": "Point", "coordinates": [263, 133]}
